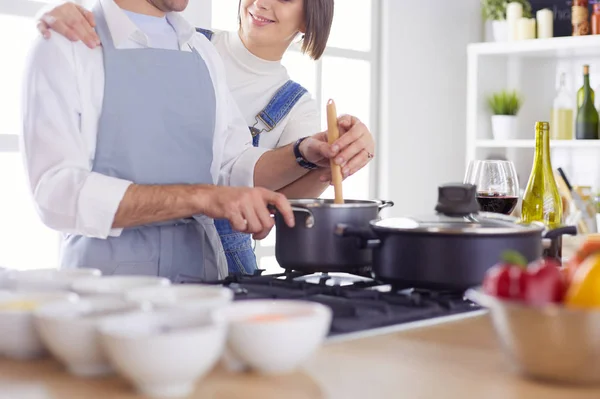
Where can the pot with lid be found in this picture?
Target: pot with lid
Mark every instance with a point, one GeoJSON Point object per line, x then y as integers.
{"type": "Point", "coordinates": [451, 249]}
{"type": "Point", "coordinates": [312, 245]}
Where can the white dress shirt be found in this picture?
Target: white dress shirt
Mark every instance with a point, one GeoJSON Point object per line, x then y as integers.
{"type": "Point", "coordinates": [159, 30]}
{"type": "Point", "coordinates": [63, 93]}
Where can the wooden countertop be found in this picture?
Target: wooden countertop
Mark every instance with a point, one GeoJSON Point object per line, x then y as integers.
{"type": "Point", "coordinates": [459, 359]}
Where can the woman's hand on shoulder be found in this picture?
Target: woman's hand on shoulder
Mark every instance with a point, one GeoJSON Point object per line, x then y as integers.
{"type": "Point", "coordinates": [71, 21]}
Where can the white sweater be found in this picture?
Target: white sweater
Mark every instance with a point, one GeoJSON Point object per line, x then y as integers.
{"type": "Point", "coordinates": [253, 82]}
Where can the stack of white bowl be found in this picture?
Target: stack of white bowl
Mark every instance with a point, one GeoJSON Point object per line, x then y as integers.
{"type": "Point", "coordinates": [163, 338]}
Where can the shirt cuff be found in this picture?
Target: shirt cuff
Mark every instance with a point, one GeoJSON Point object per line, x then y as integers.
{"type": "Point", "coordinates": [99, 201]}
{"type": "Point", "coordinates": [242, 172]}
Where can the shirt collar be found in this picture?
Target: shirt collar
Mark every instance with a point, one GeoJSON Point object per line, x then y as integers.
{"type": "Point", "coordinates": [123, 29]}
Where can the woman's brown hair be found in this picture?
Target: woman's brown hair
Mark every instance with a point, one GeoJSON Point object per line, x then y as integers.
{"type": "Point", "coordinates": [318, 17]}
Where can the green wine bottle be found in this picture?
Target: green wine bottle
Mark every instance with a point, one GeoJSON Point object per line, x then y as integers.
{"type": "Point", "coordinates": [581, 91]}
{"type": "Point", "coordinates": [586, 124]}
{"type": "Point", "coordinates": [542, 201]}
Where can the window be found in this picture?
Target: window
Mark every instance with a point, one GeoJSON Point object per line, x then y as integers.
{"type": "Point", "coordinates": [21, 28]}
{"type": "Point", "coordinates": [24, 241]}
{"type": "Point", "coordinates": [353, 99]}
{"type": "Point", "coordinates": [351, 56]}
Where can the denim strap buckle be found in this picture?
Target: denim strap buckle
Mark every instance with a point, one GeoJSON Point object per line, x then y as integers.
{"type": "Point", "coordinates": [281, 104]}
{"type": "Point", "coordinates": [206, 32]}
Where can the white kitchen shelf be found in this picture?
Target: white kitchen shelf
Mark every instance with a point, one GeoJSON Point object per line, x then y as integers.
{"type": "Point", "coordinates": [531, 143]}
{"type": "Point", "coordinates": [532, 67]}
{"type": "Point", "coordinates": [556, 47]}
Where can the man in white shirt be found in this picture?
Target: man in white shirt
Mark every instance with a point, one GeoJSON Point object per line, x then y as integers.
{"type": "Point", "coordinates": [124, 144]}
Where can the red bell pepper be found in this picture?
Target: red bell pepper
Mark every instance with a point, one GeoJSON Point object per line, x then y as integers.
{"type": "Point", "coordinates": [506, 281]}
{"type": "Point", "coordinates": [546, 283]}
{"type": "Point", "coordinates": [540, 283]}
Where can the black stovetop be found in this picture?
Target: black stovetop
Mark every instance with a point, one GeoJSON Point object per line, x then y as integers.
{"type": "Point", "coordinates": [359, 303]}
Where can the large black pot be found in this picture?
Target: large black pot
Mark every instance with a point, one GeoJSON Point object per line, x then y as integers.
{"type": "Point", "coordinates": [452, 249]}
{"type": "Point", "coordinates": [312, 245]}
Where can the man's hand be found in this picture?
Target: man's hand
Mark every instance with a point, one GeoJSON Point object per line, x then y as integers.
{"type": "Point", "coordinates": [352, 151]}
{"type": "Point", "coordinates": [71, 21]}
{"type": "Point", "coordinates": [246, 208]}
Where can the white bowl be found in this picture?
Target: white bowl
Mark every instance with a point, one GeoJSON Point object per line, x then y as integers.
{"type": "Point", "coordinates": [280, 344]}
{"type": "Point", "coordinates": [164, 353]}
{"type": "Point", "coordinates": [69, 331]}
{"type": "Point", "coordinates": [48, 279]}
{"type": "Point", "coordinates": [19, 338]}
{"type": "Point", "coordinates": [115, 286]}
{"type": "Point", "coordinates": [193, 297]}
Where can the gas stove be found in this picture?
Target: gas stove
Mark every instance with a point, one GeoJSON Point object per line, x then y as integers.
{"type": "Point", "coordinates": [360, 304]}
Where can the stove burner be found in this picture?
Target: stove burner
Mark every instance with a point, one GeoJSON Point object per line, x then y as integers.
{"type": "Point", "coordinates": [358, 303]}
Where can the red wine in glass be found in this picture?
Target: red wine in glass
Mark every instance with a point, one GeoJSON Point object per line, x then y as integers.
{"type": "Point", "coordinates": [497, 202]}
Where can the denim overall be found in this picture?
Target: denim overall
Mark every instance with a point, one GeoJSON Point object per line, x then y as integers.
{"type": "Point", "coordinates": [157, 127]}
{"type": "Point", "coordinates": [238, 246]}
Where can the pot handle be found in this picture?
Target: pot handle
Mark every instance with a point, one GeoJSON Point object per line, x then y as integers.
{"type": "Point", "coordinates": [310, 219]}
{"type": "Point", "coordinates": [561, 231]}
{"type": "Point", "coordinates": [385, 204]}
{"type": "Point", "coordinates": [554, 233]}
{"type": "Point", "coordinates": [366, 237]}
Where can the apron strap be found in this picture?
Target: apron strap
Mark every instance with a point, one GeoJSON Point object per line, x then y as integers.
{"type": "Point", "coordinates": [102, 28]}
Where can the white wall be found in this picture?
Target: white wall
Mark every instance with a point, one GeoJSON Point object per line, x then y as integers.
{"type": "Point", "coordinates": [198, 13]}
{"type": "Point", "coordinates": [424, 98]}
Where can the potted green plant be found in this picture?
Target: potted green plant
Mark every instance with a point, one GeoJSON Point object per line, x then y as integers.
{"type": "Point", "coordinates": [505, 106]}
{"type": "Point", "coordinates": [495, 11]}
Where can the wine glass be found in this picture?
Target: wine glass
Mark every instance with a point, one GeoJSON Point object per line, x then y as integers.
{"type": "Point", "coordinates": [497, 185]}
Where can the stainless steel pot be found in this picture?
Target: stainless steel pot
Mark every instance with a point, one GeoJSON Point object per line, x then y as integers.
{"type": "Point", "coordinates": [312, 244]}
{"type": "Point", "coordinates": [451, 249]}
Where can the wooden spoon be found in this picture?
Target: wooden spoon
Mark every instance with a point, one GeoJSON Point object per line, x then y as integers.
{"type": "Point", "coordinates": [333, 134]}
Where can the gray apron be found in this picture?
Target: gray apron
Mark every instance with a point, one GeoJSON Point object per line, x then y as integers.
{"type": "Point", "coordinates": [156, 127]}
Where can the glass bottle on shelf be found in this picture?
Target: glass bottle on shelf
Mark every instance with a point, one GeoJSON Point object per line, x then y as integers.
{"type": "Point", "coordinates": [595, 18]}
{"type": "Point", "coordinates": [580, 17]}
{"type": "Point", "coordinates": [581, 91]}
{"type": "Point", "coordinates": [586, 123]}
{"type": "Point", "coordinates": [561, 120]}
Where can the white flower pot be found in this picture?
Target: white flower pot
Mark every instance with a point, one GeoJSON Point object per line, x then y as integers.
{"type": "Point", "coordinates": [500, 30]}
{"type": "Point", "coordinates": [504, 127]}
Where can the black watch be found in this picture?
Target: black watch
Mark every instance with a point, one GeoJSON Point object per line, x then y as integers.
{"type": "Point", "coordinates": [300, 159]}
